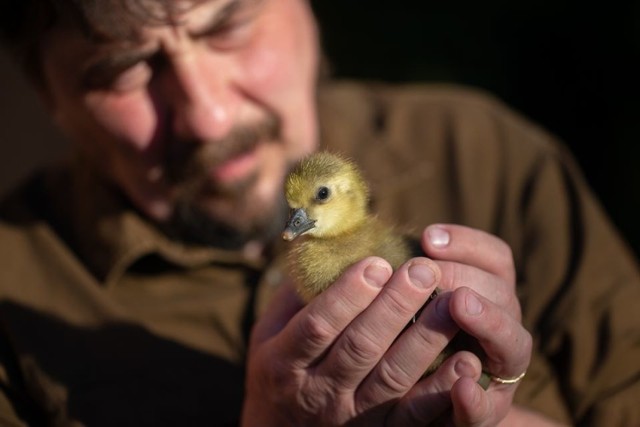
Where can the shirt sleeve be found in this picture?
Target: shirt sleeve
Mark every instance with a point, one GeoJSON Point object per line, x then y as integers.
{"type": "Point", "coordinates": [579, 287]}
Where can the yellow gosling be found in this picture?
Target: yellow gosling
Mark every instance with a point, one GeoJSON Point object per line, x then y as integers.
{"type": "Point", "coordinates": [333, 229]}
{"type": "Point", "coordinates": [329, 201]}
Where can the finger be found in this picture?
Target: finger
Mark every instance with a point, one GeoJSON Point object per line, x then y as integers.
{"type": "Point", "coordinates": [429, 400]}
{"type": "Point", "coordinates": [456, 275]}
{"type": "Point", "coordinates": [368, 337]}
{"type": "Point", "coordinates": [284, 304]}
{"type": "Point", "coordinates": [472, 406]}
{"type": "Point", "coordinates": [410, 355]}
{"type": "Point", "coordinates": [469, 246]}
{"type": "Point", "coordinates": [314, 328]}
{"type": "Point", "coordinates": [504, 340]}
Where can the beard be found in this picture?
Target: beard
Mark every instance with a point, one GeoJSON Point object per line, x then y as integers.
{"type": "Point", "coordinates": [223, 214]}
{"type": "Point", "coordinates": [249, 221]}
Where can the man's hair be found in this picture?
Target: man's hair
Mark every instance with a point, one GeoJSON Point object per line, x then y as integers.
{"type": "Point", "coordinates": [24, 23]}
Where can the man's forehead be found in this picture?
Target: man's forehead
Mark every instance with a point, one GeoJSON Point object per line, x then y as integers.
{"type": "Point", "coordinates": [196, 14]}
{"type": "Point", "coordinates": [122, 50]}
{"type": "Point", "coordinates": [132, 19]}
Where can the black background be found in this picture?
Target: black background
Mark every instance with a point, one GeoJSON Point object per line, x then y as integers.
{"type": "Point", "coordinates": [571, 66]}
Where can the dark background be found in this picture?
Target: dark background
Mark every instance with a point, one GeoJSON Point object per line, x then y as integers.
{"type": "Point", "coordinates": [569, 65]}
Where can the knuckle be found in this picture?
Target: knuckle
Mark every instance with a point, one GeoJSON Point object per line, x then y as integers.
{"type": "Point", "coordinates": [517, 346]}
{"type": "Point", "coordinates": [358, 349]}
{"type": "Point", "coordinates": [316, 330]}
{"type": "Point", "coordinates": [397, 303]}
{"type": "Point", "coordinates": [312, 395]}
{"type": "Point", "coordinates": [388, 381]}
{"type": "Point", "coordinates": [279, 376]}
{"type": "Point", "coordinates": [527, 345]}
{"type": "Point", "coordinates": [322, 403]}
{"type": "Point", "coordinates": [393, 378]}
{"type": "Point", "coordinates": [453, 275]}
{"type": "Point", "coordinates": [505, 260]}
{"type": "Point", "coordinates": [431, 339]}
{"type": "Point", "coordinates": [511, 302]}
{"type": "Point", "coordinates": [313, 403]}
{"type": "Point", "coordinates": [504, 250]}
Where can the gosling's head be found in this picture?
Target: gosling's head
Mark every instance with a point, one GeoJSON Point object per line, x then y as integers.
{"type": "Point", "coordinates": [327, 196]}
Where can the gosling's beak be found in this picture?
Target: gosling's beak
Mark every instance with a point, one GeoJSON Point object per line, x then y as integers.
{"type": "Point", "coordinates": [298, 223]}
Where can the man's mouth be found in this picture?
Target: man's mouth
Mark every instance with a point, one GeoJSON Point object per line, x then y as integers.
{"type": "Point", "coordinates": [236, 168]}
{"type": "Point", "coordinates": [231, 159]}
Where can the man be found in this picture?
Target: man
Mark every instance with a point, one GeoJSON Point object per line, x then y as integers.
{"type": "Point", "coordinates": [132, 275]}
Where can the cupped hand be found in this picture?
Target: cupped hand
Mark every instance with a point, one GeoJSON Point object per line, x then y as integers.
{"type": "Point", "coordinates": [348, 357]}
{"type": "Point", "coordinates": [344, 358]}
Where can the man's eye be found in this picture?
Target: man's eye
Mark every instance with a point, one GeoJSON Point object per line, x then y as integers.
{"type": "Point", "coordinates": [133, 78]}
{"type": "Point", "coordinates": [121, 80]}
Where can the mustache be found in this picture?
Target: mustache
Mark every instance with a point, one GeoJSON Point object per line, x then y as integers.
{"type": "Point", "coordinates": [187, 160]}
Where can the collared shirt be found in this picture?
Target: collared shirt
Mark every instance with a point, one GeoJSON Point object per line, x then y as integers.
{"type": "Point", "coordinates": [107, 321]}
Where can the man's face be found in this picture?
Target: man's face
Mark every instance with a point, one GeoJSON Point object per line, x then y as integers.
{"type": "Point", "coordinates": [200, 119]}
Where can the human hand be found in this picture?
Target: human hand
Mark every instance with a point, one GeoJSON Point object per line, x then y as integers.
{"type": "Point", "coordinates": [344, 357]}
{"type": "Point", "coordinates": [477, 268]}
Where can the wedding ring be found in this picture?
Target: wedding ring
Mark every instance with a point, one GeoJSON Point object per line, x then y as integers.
{"type": "Point", "coordinates": [511, 380]}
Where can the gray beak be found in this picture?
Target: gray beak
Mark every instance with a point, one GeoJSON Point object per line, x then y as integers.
{"type": "Point", "coordinates": [298, 224]}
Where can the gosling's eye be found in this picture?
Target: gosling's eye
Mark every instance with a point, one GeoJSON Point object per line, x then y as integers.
{"type": "Point", "coordinates": [322, 194]}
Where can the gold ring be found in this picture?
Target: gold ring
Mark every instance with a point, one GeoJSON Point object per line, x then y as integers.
{"type": "Point", "coordinates": [511, 380]}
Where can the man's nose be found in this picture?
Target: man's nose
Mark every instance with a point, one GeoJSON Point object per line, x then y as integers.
{"type": "Point", "coordinates": [205, 101]}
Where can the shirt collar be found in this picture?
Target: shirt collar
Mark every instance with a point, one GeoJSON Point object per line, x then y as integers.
{"type": "Point", "coordinates": [110, 235]}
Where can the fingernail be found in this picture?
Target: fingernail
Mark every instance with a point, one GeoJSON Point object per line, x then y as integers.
{"type": "Point", "coordinates": [464, 369]}
{"type": "Point", "coordinates": [421, 275]}
{"type": "Point", "coordinates": [473, 304]}
{"type": "Point", "coordinates": [439, 237]}
{"type": "Point", "coordinates": [376, 274]}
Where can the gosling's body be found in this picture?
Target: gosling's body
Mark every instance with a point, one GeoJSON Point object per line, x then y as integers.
{"type": "Point", "coordinates": [320, 261]}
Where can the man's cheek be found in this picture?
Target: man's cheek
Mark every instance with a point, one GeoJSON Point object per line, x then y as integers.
{"type": "Point", "coordinates": [129, 120]}
{"type": "Point", "coordinates": [264, 72]}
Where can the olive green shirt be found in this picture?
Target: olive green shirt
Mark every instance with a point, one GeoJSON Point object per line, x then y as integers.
{"type": "Point", "coordinates": [104, 320]}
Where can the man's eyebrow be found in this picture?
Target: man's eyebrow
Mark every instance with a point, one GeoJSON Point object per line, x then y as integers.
{"type": "Point", "coordinates": [221, 17]}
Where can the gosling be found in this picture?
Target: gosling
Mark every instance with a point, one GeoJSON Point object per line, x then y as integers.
{"type": "Point", "coordinates": [329, 202]}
